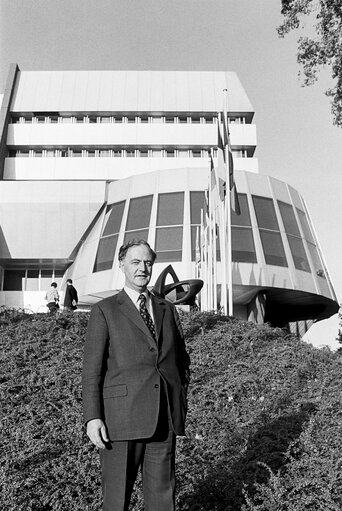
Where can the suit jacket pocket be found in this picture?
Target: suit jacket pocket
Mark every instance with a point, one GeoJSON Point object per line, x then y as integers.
{"type": "Point", "coordinates": [114, 391]}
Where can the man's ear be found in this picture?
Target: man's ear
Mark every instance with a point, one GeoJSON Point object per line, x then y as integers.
{"type": "Point", "coordinates": [121, 265]}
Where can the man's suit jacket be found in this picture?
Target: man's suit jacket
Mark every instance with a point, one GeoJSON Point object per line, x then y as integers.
{"type": "Point", "coordinates": [124, 368]}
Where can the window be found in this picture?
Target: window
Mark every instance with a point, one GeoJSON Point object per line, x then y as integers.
{"type": "Point", "coordinates": [169, 239]}
{"type": "Point", "coordinates": [139, 213]}
{"type": "Point", "coordinates": [243, 249]}
{"type": "Point", "coordinates": [298, 253]}
{"type": "Point", "coordinates": [105, 253]}
{"type": "Point", "coordinates": [113, 218]}
{"type": "Point", "coordinates": [14, 280]}
{"type": "Point", "coordinates": [157, 153]}
{"type": "Point", "coordinates": [244, 218]}
{"type": "Point", "coordinates": [316, 260]}
{"type": "Point", "coordinates": [108, 242]}
{"type": "Point", "coordinates": [272, 243]}
{"type": "Point", "coordinates": [293, 236]}
{"type": "Point", "coordinates": [141, 234]}
{"type": "Point", "coordinates": [265, 213]}
{"type": "Point", "coordinates": [305, 226]}
{"type": "Point", "coordinates": [169, 244]}
{"type": "Point", "coordinates": [197, 202]}
{"type": "Point", "coordinates": [273, 248]}
{"type": "Point", "coordinates": [170, 208]}
{"type": "Point", "coordinates": [196, 153]}
{"type": "Point", "coordinates": [289, 219]}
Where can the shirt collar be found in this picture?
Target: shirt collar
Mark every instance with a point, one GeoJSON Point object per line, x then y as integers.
{"type": "Point", "coordinates": [134, 295]}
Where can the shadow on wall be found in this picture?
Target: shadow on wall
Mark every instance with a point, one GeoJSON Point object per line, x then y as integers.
{"type": "Point", "coordinates": [4, 250]}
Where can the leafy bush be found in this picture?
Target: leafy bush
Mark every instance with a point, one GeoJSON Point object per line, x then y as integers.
{"type": "Point", "coordinates": [263, 429]}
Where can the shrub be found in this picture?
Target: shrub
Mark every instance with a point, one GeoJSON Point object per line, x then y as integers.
{"type": "Point", "coordinates": [263, 427]}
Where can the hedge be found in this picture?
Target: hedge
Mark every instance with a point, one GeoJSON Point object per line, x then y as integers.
{"type": "Point", "coordinates": [263, 430]}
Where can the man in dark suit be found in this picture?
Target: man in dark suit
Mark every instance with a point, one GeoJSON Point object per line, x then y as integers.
{"type": "Point", "coordinates": [135, 379]}
{"type": "Point", "coordinates": [70, 297]}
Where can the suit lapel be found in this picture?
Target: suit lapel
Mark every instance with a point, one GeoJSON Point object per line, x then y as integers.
{"type": "Point", "coordinates": [129, 310]}
{"type": "Point", "coordinates": [158, 308]}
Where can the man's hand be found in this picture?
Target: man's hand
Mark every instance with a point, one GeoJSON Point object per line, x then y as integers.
{"type": "Point", "coordinates": [97, 432]}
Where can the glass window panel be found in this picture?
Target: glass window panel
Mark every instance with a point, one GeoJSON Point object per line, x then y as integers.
{"type": "Point", "coordinates": [32, 281]}
{"type": "Point", "coordinates": [298, 253]}
{"type": "Point", "coordinates": [105, 253]}
{"type": "Point", "coordinates": [141, 234]}
{"type": "Point", "coordinates": [244, 218]}
{"type": "Point", "coordinates": [139, 213]}
{"type": "Point", "coordinates": [170, 208]}
{"type": "Point", "coordinates": [14, 280]}
{"type": "Point", "coordinates": [45, 283]}
{"type": "Point", "coordinates": [265, 213]}
{"type": "Point", "coordinates": [273, 248]}
{"type": "Point", "coordinates": [59, 274]}
{"type": "Point", "coordinates": [316, 260]}
{"type": "Point", "coordinates": [195, 242]}
{"type": "Point", "coordinates": [114, 217]}
{"type": "Point", "coordinates": [169, 244]}
{"type": "Point", "coordinates": [305, 226]}
{"type": "Point", "coordinates": [289, 219]}
{"type": "Point", "coordinates": [46, 274]}
{"type": "Point", "coordinates": [196, 204]}
{"type": "Point", "coordinates": [243, 249]}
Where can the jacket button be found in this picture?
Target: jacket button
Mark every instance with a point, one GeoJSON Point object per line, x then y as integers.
{"type": "Point", "coordinates": [156, 386]}
{"type": "Point", "coordinates": [152, 348]}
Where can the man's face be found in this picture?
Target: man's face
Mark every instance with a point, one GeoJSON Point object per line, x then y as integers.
{"type": "Point", "coordinates": [137, 267]}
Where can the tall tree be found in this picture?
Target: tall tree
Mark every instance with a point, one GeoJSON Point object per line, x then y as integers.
{"type": "Point", "coordinates": [324, 48]}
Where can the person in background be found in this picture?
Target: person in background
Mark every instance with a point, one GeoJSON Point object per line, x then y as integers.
{"type": "Point", "coordinates": [70, 297]}
{"type": "Point", "coordinates": [135, 380]}
{"type": "Point", "coordinates": [52, 298]}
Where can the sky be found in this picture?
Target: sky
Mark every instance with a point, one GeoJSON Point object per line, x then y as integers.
{"type": "Point", "coordinates": [297, 141]}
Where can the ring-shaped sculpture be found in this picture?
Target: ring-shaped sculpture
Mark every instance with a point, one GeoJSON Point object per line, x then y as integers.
{"type": "Point", "coordinates": [183, 296]}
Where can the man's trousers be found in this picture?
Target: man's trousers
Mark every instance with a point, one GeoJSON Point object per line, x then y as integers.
{"type": "Point", "coordinates": [156, 456]}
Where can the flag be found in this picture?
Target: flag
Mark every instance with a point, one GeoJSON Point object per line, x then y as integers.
{"type": "Point", "coordinates": [234, 199]}
{"type": "Point", "coordinates": [221, 168]}
{"type": "Point", "coordinates": [214, 187]}
{"type": "Point", "coordinates": [197, 246]}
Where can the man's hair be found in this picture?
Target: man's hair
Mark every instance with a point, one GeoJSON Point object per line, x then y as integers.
{"type": "Point", "coordinates": [135, 243]}
{"type": "Point", "coordinates": [70, 281]}
{"type": "Point", "coordinates": [54, 284]}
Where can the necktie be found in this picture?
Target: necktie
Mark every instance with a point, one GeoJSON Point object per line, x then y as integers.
{"type": "Point", "coordinates": [146, 315]}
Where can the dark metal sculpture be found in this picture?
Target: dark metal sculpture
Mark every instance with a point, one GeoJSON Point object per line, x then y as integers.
{"type": "Point", "coordinates": [182, 292]}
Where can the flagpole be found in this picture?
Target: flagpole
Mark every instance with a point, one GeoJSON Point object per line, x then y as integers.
{"type": "Point", "coordinates": [228, 216]}
{"type": "Point", "coordinates": [210, 244]}
{"type": "Point", "coordinates": [204, 295]}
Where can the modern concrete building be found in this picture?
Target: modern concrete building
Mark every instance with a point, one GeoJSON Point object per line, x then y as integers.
{"type": "Point", "coordinates": [89, 159]}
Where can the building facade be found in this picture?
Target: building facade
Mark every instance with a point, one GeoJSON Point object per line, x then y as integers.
{"type": "Point", "coordinates": [90, 159]}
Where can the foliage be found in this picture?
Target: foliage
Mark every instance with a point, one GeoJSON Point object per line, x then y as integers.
{"type": "Point", "coordinates": [263, 426]}
{"type": "Point", "coordinates": [322, 49]}
{"type": "Point", "coordinates": [339, 333]}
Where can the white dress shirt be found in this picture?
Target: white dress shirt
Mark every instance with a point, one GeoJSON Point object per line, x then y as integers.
{"type": "Point", "coordinates": [134, 296]}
